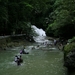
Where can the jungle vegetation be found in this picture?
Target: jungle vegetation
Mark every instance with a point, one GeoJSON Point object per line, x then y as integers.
{"type": "Point", "coordinates": [56, 17]}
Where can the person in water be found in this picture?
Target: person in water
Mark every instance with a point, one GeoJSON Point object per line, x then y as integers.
{"type": "Point", "coordinates": [16, 57]}
{"type": "Point", "coordinates": [23, 52]}
{"type": "Point", "coordinates": [18, 60]}
{"type": "Point", "coordinates": [55, 42]}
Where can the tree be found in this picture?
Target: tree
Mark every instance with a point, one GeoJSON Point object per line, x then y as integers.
{"type": "Point", "coordinates": [63, 19]}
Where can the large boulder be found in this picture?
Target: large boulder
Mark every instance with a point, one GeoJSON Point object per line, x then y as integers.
{"type": "Point", "coordinates": [70, 60]}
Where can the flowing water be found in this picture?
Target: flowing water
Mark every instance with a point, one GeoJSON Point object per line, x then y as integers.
{"type": "Point", "coordinates": [41, 60]}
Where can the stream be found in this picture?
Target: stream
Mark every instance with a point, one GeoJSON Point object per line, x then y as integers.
{"type": "Point", "coordinates": [43, 59]}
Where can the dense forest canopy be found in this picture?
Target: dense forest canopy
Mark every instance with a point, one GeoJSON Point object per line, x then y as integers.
{"type": "Point", "coordinates": [56, 17]}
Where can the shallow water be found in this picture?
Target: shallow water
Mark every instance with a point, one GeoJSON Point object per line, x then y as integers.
{"type": "Point", "coordinates": [39, 61]}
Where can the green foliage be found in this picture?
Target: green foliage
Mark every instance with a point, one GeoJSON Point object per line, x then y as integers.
{"type": "Point", "coordinates": [69, 47]}
{"type": "Point", "coordinates": [49, 30]}
{"type": "Point", "coordinates": [60, 22]}
{"type": "Point", "coordinates": [14, 16]}
{"type": "Point", "coordinates": [63, 24]}
{"type": "Point", "coordinates": [56, 17]}
{"type": "Point", "coordinates": [71, 40]}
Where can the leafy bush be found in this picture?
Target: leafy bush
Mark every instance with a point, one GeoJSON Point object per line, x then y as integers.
{"type": "Point", "coordinates": [69, 47]}
{"type": "Point", "coordinates": [71, 40]}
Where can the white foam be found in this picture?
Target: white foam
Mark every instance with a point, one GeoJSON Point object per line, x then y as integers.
{"type": "Point", "coordinates": [40, 34]}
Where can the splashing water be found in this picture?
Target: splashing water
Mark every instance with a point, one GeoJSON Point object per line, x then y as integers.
{"type": "Point", "coordinates": [38, 31]}
{"type": "Point", "coordinates": [40, 34]}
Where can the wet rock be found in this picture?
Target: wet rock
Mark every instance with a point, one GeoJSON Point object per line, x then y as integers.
{"type": "Point", "coordinates": [70, 60]}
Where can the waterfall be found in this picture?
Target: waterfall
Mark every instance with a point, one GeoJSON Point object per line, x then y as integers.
{"type": "Point", "coordinates": [38, 31]}
{"type": "Point", "coordinates": [40, 37]}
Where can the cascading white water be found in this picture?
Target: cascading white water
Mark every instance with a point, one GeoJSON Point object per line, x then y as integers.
{"type": "Point", "coordinates": [38, 31]}
{"type": "Point", "coordinates": [40, 34]}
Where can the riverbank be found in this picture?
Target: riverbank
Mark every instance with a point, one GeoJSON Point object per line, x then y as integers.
{"type": "Point", "coordinates": [12, 41]}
